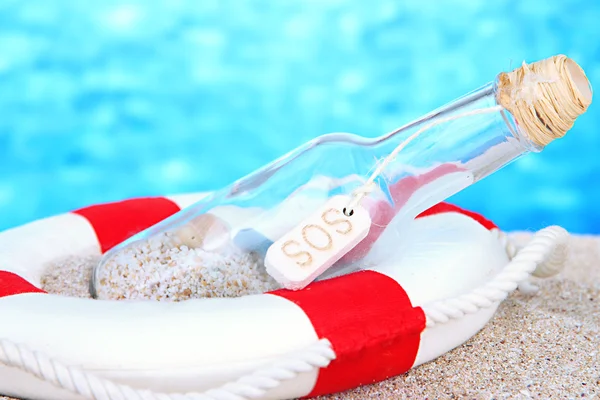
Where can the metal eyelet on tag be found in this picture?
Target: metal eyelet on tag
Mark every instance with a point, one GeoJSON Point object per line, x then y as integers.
{"type": "Point", "coordinates": [304, 253]}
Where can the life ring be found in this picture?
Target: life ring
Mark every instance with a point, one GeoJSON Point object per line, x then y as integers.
{"type": "Point", "coordinates": [334, 335]}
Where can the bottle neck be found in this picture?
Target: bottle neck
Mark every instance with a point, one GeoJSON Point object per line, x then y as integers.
{"type": "Point", "coordinates": [479, 143]}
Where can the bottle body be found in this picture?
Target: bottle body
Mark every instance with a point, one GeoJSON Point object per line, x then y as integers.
{"type": "Point", "coordinates": [245, 218]}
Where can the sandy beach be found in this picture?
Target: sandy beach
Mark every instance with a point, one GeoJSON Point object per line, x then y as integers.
{"type": "Point", "coordinates": [541, 346]}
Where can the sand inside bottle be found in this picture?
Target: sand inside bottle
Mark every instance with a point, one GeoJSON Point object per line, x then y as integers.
{"type": "Point", "coordinates": [157, 270]}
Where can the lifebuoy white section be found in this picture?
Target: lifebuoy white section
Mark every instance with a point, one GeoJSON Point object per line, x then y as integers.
{"type": "Point", "coordinates": [436, 342]}
{"type": "Point", "coordinates": [26, 250]}
{"type": "Point", "coordinates": [438, 257]}
{"type": "Point", "coordinates": [166, 347]}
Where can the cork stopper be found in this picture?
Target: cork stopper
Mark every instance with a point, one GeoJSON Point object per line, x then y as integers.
{"type": "Point", "coordinates": [545, 97]}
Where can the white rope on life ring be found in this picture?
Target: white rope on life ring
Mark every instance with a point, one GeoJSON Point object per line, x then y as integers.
{"type": "Point", "coordinates": [295, 372]}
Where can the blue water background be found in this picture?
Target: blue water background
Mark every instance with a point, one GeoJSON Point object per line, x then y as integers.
{"type": "Point", "coordinates": [105, 100]}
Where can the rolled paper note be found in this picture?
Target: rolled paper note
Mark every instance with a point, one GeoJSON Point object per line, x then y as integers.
{"type": "Point", "coordinates": [409, 200]}
{"type": "Point", "coordinates": [259, 233]}
{"type": "Point", "coordinates": [299, 205]}
{"type": "Point", "coordinates": [255, 229]}
{"type": "Point", "coordinates": [235, 216]}
{"type": "Point", "coordinates": [289, 213]}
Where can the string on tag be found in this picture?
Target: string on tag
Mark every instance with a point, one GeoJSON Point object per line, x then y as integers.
{"type": "Point", "coordinates": [359, 194]}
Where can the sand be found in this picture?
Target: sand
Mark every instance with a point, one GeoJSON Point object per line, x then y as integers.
{"type": "Point", "coordinates": [542, 346]}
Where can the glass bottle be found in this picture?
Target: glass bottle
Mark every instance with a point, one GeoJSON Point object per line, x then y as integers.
{"type": "Point", "coordinates": [242, 220]}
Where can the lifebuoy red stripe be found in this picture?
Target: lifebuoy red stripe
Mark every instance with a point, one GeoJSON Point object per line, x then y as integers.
{"type": "Point", "coordinates": [11, 284]}
{"type": "Point", "coordinates": [447, 207]}
{"type": "Point", "coordinates": [116, 222]}
{"type": "Point", "coordinates": [369, 319]}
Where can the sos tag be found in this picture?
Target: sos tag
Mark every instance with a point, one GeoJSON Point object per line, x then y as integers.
{"type": "Point", "coordinates": [308, 250]}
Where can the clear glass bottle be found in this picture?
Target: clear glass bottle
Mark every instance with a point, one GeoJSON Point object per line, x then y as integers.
{"type": "Point", "coordinates": [243, 219]}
